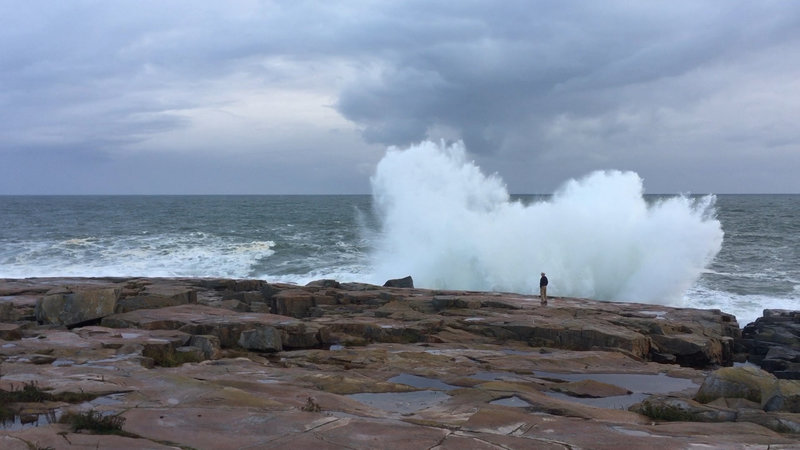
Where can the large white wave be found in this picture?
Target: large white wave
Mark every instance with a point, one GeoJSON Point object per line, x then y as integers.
{"type": "Point", "coordinates": [450, 226]}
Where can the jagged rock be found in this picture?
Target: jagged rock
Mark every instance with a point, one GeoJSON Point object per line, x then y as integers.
{"type": "Point", "coordinates": [71, 306]}
{"type": "Point", "coordinates": [406, 282]}
{"type": "Point", "coordinates": [157, 296]}
{"type": "Point", "coordinates": [188, 353]}
{"type": "Point", "coordinates": [324, 284]}
{"type": "Point", "coordinates": [41, 359]}
{"type": "Point", "coordinates": [225, 324]}
{"type": "Point", "coordinates": [262, 338]}
{"type": "Point", "coordinates": [6, 311]}
{"type": "Point", "coordinates": [10, 332]}
{"type": "Point", "coordinates": [773, 342]}
{"type": "Point", "coordinates": [293, 303]}
{"type": "Point", "coordinates": [235, 305]}
{"type": "Point", "coordinates": [208, 344]}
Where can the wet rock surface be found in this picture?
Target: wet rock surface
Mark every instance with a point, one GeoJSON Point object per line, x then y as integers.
{"type": "Point", "coordinates": [218, 363]}
{"type": "Point", "coordinates": [773, 342]}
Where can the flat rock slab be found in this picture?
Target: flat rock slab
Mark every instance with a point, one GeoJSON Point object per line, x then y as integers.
{"type": "Point", "coordinates": [473, 364]}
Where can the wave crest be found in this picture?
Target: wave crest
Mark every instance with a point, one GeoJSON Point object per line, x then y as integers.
{"type": "Point", "coordinates": [450, 226]}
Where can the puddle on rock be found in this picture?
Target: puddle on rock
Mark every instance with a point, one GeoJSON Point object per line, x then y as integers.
{"type": "Point", "coordinates": [421, 382]}
{"type": "Point", "coordinates": [107, 400]}
{"type": "Point", "coordinates": [652, 384]}
{"type": "Point", "coordinates": [636, 433]}
{"type": "Point", "coordinates": [622, 402]}
{"type": "Point", "coordinates": [401, 402]}
{"type": "Point", "coordinates": [496, 376]}
{"type": "Point", "coordinates": [511, 401]}
{"type": "Point", "coordinates": [23, 421]}
{"type": "Point", "coordinates": [640, 385]}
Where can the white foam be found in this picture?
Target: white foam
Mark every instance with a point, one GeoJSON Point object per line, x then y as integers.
{"type": "Point", "coordinates": [193, 254]}
{"type": "Point", "coordinates": [450, 226]}
{"type": "Point", "coordinates": [746, 308]}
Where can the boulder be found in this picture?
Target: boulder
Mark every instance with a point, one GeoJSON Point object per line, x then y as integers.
{"type": "Point", "coordinates": [753, 384]}
{"type": "Point", "coordinates": [406, 282]}
{"type": "Point", "coordinates": [785, 397]}
{"type": "Point", "coordinates": [662, 407]}
{"type": "Point", "coordinates": [746, 382]}
{"type": "Point", "coordinates": [73, 306]}
{"type": "Point", "coordinates": [324, 284]}
{"type": "Point", "coordinates": [773, 342]}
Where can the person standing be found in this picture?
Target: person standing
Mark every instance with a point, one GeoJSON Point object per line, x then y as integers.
{"type": "Point", "coordinates": [543, 289]}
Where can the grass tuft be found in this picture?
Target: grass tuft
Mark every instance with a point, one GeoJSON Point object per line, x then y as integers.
{"type": "Point", "coordinates": [94, 422]}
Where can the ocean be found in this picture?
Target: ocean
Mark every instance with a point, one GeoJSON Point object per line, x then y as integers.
{"type": "Point", "coordinates": [598, 237]}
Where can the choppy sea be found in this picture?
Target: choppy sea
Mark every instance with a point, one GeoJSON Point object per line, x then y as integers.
{"type": "Point", "coordinates": [598, 237]}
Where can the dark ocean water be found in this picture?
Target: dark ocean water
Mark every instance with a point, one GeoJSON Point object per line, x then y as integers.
{"type": "Point", "coordinates": [302, 238]}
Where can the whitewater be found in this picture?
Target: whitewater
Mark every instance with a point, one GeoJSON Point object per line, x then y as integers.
{"type": "Point", "coordinates": [450, 226]}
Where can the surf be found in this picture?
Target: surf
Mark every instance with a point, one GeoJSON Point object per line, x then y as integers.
{"type": "Point", "coordinates": [450, 226]}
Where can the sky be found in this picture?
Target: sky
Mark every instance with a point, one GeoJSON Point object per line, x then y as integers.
{"type": "Point", "coordinates": [304, 97]}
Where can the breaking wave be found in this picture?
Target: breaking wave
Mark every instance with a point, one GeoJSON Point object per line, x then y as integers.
{"type": "Point", "coordinates": [451, 227]}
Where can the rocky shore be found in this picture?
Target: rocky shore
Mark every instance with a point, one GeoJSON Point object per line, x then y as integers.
{"type": "Point", "coordinates": [232, 364]}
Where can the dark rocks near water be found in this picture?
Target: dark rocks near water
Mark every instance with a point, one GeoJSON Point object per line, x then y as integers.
{"type": "Point", "coordinates": [773, 343]}
{"type": "Point", "coordinates": [406, 282]}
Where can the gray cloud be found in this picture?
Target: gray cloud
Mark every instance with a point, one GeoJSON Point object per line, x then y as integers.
{"type": "Point", "coordinates": [539, 91]}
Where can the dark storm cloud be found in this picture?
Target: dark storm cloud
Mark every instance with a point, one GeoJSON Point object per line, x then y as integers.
{"type": "Point", "coordinates": [562, 87]}
{"type": "Point", "coordinates": [520, 63]}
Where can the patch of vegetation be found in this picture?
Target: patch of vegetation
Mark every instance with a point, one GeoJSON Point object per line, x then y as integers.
{"type": "Point", "coordinates": [311, 405]}
{"type": "Point", "coordinates": [74, 397]}
{"type": "Point", "coordinates": [169, 357]}
{"type": "Point", "coordinates": [32, 393]}
{"type": "Point", "coordinates": [95, 422]}
{"type": "Point", "coordinates": [665, 412]}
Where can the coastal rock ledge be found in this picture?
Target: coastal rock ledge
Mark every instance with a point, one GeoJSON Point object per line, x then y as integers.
{"type": "Point", "coordinates": [224, 363]}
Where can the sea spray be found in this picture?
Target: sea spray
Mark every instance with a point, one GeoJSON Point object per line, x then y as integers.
{"type": "Point", "coordinates": [450, 226]}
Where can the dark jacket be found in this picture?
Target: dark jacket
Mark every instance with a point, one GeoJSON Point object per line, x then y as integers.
{"type": "Point", "coordinates": [543, 281]}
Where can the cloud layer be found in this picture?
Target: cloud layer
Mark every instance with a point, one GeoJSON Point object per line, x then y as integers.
{"type": "Point", "coordinates": [302, 97]}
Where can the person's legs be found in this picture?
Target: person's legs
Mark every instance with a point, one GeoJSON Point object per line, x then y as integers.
{"type": "Point", "coordinates": [543, 294]}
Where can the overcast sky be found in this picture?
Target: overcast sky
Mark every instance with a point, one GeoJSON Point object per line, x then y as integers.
{"type": "Point", "coordinates": [263, 97]}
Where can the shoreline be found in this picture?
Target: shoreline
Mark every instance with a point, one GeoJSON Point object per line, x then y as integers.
{"type": "Point", "coordinates": [329, 358]}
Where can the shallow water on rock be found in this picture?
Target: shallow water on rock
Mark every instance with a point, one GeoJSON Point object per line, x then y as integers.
{"type": "Point", "coordinates": [421, 382]}
{"type": "Point", "coordinates": [615, 402]}
{"type": "Point", "coordinates": [513, 401]}
{"type": "Point", "coordinates": [637, 383]}
{"type": "Point", "coordinates": [22, 421]}
{"type": "Point", "coordinates": [401, 402]}
{"type": "Point", "coordinates": [640, 385]}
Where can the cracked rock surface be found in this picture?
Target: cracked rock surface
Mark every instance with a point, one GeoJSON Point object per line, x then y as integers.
{"type": "Point", "coordinates": [234, 364]}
